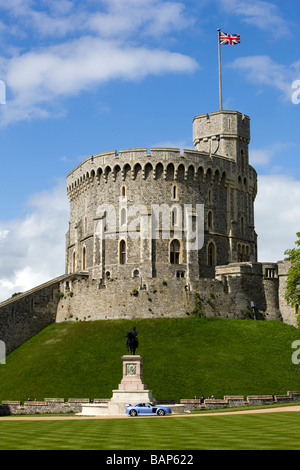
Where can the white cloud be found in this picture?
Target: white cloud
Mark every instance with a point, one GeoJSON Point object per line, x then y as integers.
{"type": "Point", "coordinates": [262, 14]}
{"type": "Point", "coordinates": [108, 18]}
{"type": "Point", "coordinates": [277, 215]}
{"type": "Point", "coordinates": [111, 44]}
{"type": "Point", "coordinates": [264, 156]}
{"type": "Point", "coordinates": [37, 80]}
{"type": "Point", "coordinates": [263, 70]}
{"type": "Point", "coordinates": [32, 249]}
{"type": "Point", "coordinates": [149, 18]}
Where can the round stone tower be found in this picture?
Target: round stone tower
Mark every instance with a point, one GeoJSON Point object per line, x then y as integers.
{"type": "Point", "coordinates": [165, 214]}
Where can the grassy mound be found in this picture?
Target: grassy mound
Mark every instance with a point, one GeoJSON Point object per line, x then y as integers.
{"type": "Point", "coordinates": [183, 357]}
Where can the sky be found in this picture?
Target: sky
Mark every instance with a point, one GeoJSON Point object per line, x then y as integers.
{"type": "Point", "coordinates": [80, 78]}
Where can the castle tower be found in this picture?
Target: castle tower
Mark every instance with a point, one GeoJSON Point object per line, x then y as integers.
{"type": "Point", "coordinates": [226, 134]}
{"type": "Point", "coordinates": [134, 182]}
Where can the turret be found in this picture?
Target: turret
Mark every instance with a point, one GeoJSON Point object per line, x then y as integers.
{"type": "Point", "coordinates": [224, 133]}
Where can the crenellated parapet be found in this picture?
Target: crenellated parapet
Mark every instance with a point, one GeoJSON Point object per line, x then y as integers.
{"type": "Point", "coordinates": [160, 162]}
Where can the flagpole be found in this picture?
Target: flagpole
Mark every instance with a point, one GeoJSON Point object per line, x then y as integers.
{"type": "Point", "coordinates": [220, 73]}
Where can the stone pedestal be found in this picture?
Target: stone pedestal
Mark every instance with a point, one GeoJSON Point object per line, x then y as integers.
{"type": "Point", "coordinates": [132, 374]}
{"type": "Point", "coordinates": [132, 388]}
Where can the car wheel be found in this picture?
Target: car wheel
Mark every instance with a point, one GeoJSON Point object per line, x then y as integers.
{"type": "Point", "coordinates": [132, 412]}
{"type": "Point", "coordinates": [161, 413]}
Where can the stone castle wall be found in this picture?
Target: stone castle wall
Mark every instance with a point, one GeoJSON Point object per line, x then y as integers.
{"type": "Point", "coordinates": [24, 315]}
{"type": "Point", "coordinates": [288, 313]}
{"type": "Point", "coordinates": [228, 295]}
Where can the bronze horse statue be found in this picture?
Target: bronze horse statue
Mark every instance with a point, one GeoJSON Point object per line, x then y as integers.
{"type": "Point", "coordinates": [132, 341]}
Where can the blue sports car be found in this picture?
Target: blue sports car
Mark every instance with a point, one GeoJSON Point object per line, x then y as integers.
{"type": "Point", "coordinates": [147, 409]}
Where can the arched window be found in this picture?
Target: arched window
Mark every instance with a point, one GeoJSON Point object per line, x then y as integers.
{"type": "Point", "coordinates": [84, 258]}
{"type": "Point", "coordinates": [175, 252]}
{"type": "Point", "coordinates": [122, 252]}
{"type": "Point", "coordinates": [211, 254]}
{"type": "Point", "coordinates": [136, 273]}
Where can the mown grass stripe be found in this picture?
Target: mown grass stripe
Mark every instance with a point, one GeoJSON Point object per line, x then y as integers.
{"type": "Point", "coordinates": [246, 432]}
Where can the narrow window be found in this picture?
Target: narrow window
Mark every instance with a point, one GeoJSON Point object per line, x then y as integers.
{"type": "Point", "coordinates": [174, 192]}
{"type": "Point", "coordinates": [122, 252]}
{"type": "Point", "coordinates": [209, 196]}
{"type": "Point", "coordinates": [174, 252]}
{"type": "Point", "coordinates": [84, 258]}
{"type": "Point", "coordinates": [240, 259]}
{"type": "Point", "coordinates": [211, 255]}
{"type": "Point", "coordinates": [242, 226]}
{"type": "Point", "coordinates": [74, 262]}
{"type": "Point", "coordinates": [210, 220]}
{"type": "Point", "coordinates": [123, 191]}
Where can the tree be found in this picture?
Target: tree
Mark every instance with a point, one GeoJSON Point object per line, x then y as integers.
{"type": "Point", "coordinates": [292, 293]}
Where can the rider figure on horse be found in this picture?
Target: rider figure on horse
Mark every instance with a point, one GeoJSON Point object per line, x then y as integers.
{"type": "Point", "coordinates": [132, 341]}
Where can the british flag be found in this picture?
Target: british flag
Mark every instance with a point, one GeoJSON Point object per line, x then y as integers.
{"type": "Point", "coordinates": [230, 39]}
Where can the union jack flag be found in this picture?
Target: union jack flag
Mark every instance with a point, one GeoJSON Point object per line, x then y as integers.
{"type": "Point", "coordinates": [230, 39]}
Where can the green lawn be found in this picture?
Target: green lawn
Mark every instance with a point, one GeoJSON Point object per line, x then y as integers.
{"type": "Point", "coordinates": [268, 431]}
{"type": "Point", "coordinates": [183, 357]}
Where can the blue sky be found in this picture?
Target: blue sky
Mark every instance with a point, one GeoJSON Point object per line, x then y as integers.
{"type": "Point", "coordinates": [87, 77]}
